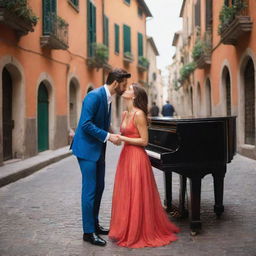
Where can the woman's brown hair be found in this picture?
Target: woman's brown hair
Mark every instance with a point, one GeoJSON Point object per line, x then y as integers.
{"type": "Point", "coordinates": [141, 98]}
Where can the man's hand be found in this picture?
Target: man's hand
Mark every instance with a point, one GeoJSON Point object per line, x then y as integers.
{"type": "Point", "coordinates": [115, 139]}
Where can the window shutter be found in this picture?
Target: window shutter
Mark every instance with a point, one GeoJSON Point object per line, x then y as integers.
{"type": "Point", "coordinates": [53, 6]}
{"type": "Point", "coordinates": [75, 2]}
{"type": "Point", "coordinates": [140, 44]}
{"type": "Point", "coordinates": [94, 23]}
{"type": "Point", "coordinates": [116, 38]}
{"type": "Point", "coordinates": [106, 32]}
{"type": "Point", "coordinates": [91, 27]}
{"type": "Point", "coordinates": [49, 7]}
{"type": "Point", "coordinates": [208, 22]}
{"type": "Point", "coordinates": [127, 38]}
{"type": "Point", "coordinates": [197, 13]}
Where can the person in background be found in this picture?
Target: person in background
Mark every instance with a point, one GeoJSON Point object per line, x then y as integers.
{"type": "Point", "coordinates": [168, 109]}
{"type": "Point", "coordinates": [154, 110]}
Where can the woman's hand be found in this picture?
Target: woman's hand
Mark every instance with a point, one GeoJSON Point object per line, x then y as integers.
{"type": "Point", "coordinates": [120, 137]}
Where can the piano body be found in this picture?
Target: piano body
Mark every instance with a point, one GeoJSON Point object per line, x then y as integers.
{"type": "Point", "coordinates": [193, 148]}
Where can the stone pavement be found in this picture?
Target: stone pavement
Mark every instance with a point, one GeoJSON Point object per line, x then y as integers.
{"type": "Point", "coordinates": [40, 214]}
{"type": "Point", "coordinates": [16, 169]}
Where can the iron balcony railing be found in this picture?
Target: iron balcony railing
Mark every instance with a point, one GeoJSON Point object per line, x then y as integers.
{"type": "Point", "coordinates": [56, 26]}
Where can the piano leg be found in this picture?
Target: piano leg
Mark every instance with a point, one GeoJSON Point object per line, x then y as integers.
{"type": "Point", "coordinates": [183, 187]}
{"type": "Point", "coordinates": [168, 191]}
{"type": "Point", "coordinates": [195, 200]}
{"type": "Point", "coordinates": [218, 180]}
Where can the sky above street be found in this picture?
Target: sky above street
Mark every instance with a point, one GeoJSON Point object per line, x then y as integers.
{"type": "Point", "coordinates": [162, 26]}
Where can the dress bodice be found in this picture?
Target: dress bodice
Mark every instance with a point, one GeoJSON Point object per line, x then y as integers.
{"type": "Point", "coordinates": [130, 130]}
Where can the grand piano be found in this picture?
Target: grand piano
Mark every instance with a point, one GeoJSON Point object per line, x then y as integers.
{"type": "Point", "coordinates": [193, 148]}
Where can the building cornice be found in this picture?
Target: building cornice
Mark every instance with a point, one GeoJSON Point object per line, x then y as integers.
{"type": "Point", "coordinates": [145, 8]}
{"type": "Point", "coordinates": [151, 41]}
{"type": "Point", "coordinates": [182, 8]}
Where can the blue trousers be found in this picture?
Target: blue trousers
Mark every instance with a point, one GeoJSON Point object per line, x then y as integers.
{"type": "Point", "coordinates": [93, 182]}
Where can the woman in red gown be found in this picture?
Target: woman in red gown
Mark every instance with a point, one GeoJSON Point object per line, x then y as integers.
{"type": "Point", "coordinates": [138, 218]}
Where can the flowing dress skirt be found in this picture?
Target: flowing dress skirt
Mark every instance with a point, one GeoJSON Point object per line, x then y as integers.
{"type": "Point", "coordinates": [138, 218]}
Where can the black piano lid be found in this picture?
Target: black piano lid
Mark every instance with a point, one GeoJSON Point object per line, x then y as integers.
{"type": "Point", "coordinates": [184, 119]}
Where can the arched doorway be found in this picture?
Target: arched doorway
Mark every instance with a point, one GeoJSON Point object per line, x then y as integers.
{"type": "Point", "coordinates": [208, 98]}
{"type": "Point", "coordinates": [227, 90]}
{"type": "Point", "coordinates": [42, 118]}
{"type": "Point", "coordinates": [72, 105]}
{"type": "Point", "coordinates": [8, 123]}
{"type": "Point", "coordinates": [249, 103]}
{"type": "Point", "coordinates": [89, 89]}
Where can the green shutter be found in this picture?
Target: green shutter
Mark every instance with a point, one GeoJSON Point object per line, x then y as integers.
{"type": "Point", "coordinates": [106, 32]}
{"type": "Point", "coordinates": [140, 44]}
{"type": "Point", "coordinates": [91, 27]}
{"type": "Point", "coordinates": [127, 38]}
{"type": "Point", "coordinates": [49, 8]}
{"type": "Point", "coordinates": [75, 2]}
{"type": "Point", "coordinates": [127, 1]}
{"type": "Point", "coordinates": [140, 11]}
{"type": "Point", "coordinates": [116, 38]}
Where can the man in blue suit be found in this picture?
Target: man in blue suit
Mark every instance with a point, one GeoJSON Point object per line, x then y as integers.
{"type": "Point", "coordinates": [89, 146]}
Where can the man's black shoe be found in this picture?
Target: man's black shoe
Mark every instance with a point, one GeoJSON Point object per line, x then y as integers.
{"type": "Point", "coordinates": [100, 230]}
{"type": "Point", "coordinates": [93, 238]}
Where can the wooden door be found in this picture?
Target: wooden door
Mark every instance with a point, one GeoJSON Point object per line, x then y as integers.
{"type": "Point", "coordinates": [7, 115]}
{"type": "Point", "coordinates": [42, 118]}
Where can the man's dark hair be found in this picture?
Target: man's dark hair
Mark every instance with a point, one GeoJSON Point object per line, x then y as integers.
{"type": "Point", "coordinates": [118, 75]}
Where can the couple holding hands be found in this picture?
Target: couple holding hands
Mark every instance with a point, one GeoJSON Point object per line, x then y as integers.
{"type": "Point", "coordinates": [137, 218]}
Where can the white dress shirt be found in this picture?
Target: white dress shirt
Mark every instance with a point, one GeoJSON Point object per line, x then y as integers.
{"type": "Point", "coordinates": [109, 100]}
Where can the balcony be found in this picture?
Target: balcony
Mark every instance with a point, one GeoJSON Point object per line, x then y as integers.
{"type": "Point", "coordinates": [202, 50]}
{"type": "Point", "coordinates": [234, 22]}
{"type": "Point", "coordinates": [99, 58]}
{"type": "Point", "coordinates": [18, 16]}
{"type": "Point", "coordinates": [143, 64]}
{"type": "Point", "coordinates": [128, 58]}
{"type": "Point", "coordinates": [185, 72]}
{"type": "Point", "coordinates": [55, 32]}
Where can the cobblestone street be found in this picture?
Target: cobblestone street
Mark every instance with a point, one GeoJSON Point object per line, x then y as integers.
{"type": "Point", "coordinates": [40, 214]}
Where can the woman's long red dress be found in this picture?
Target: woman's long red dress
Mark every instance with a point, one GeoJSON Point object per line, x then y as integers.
{"type": "Point", "coordinates": [138, 218]}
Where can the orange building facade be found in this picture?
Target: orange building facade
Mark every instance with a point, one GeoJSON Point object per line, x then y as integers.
{"type": "Point", "coordinates": [219, 50]}
{"type": "Point", "coordinates": [48, 65]}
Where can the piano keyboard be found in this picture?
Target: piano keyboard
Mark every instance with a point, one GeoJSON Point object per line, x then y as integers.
{"type": "Point", "coordinates": [153, 154]}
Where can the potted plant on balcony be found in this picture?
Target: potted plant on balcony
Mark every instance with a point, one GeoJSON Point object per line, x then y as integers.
{"type": "Point", "coordinates": [234, 21]}
{"type": "Point", "coordinates": [128, 57]}
{"type": "Point", "coordinates": [100, 57]}
{"type": "Point", "coordinates": [18, 15]}
{"type": "Point", "coordinates": [198, 50]}
{"type": "Point", "coordinates": [143, 63]}
{"type": "Point", "coordinates": [201, 53]}
{"type": "Point", "coordinates": [185, 71]}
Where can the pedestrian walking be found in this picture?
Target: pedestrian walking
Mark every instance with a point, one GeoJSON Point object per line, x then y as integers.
{"type": "Point", "coordinates": [168, 109]}
{"type": "Point", "coordinates": [154, 110]}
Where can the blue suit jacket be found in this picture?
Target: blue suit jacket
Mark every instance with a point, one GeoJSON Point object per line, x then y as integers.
{"type": "Point", "coordinates": [92, 127]}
